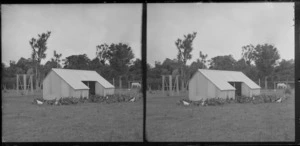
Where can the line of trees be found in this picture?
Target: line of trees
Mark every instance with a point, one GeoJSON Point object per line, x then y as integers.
{"type": "Point", "coordinates": [111, 61]}
{"type": "Point", "coordinates": [117, 60]}
{"type": "Point", "coordinates": [257, 62]}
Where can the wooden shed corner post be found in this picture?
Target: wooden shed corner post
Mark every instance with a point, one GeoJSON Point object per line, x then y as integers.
{"type": "Point", "coordinates": [170, 85]}
{"type": "Point", "coordinates": [113, 81]}
{"type": "Point", "coordinates": [177, 88]}
{"type": "Point", "coordinates": [120, 82]}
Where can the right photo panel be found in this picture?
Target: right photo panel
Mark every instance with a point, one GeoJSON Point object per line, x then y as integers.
{"type": "Point", "coordinates": [220, 72]}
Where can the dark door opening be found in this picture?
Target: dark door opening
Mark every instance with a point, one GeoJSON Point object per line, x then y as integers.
{"type": "Point", "coordinates": [91, 85]}
{"type": "Point", "coordinates": [238, 87]}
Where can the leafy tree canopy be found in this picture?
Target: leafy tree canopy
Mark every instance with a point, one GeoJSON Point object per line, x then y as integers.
{"type": "Point", "coordinates": [77, 62]}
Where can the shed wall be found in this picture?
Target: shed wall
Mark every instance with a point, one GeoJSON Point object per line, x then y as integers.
{"type": "Point", "coordinates": [226, 94]}
{"type": "Point", "coordinates": [212, 89]}
{"type": "Point", "coordinates": [99, 89]}
{"type": "Point", "coordinates": [52, 86]}
{"type": "Point", "coordinates": [255, 92]}
{"type": "Point", "coordinates": [248, 92]}
{"type": "Point", "coordinates": [80, 93]}
{"type": "Point", "coordinates": [109, 91]}
{"type": "Point", "coordinates": [46, 87]}
{"type": "Point", "coordinates": [198, 87]}
{"type": "Point", "coordinates": [65, 89]}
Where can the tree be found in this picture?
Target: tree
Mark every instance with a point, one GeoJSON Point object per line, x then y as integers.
{"type": "Point", "coordinates": [4, 69]}
{"type": "Point", "coordinates": [156, 71]}
{"type": "Point", "coordinates": [195, 65]}
{"type": "Point", "coordinates": [48, 66]}
{"type": "Point", "coordinates": [104, 70]}
{"type": "Point", "coordinates": [154, 75]}
{"type": "Point", "coordinates": [249, 70]}
{"type": "Point", "coordinates": [285, 70]}
{"type": "Point", "coordinates": [266, 57]}
{"type": "Point", "coordinates": [170, 66]}
{"type": "Point", "coordinates": [202, 60]}
{"type": "Point", "coordinates": [25, 64]}
{"type": "Point", "coordinates": [103, 53]}
{"type": "Point", "coordinates": [95, 64]}
{"type": "Point", "coordinates": [135, 70]}
{"type": "Point", "coordinates": [120, 56]}
{"type": "Point", "coordinates": [248, 54]}
{"type": "Point", "coordinates": [39, 47]}
{"type": "Point", "coordinates": [57, 58]}
{"type": "Point", "coordinates": [225, 62]}
{"type": "Point", "coordinates": [199, 64]}
{"type": "Point", "coordinates": [13, 69]}
{"type": "Point", "coordinates": [77, 62]}
{"type": "Point", "coordinates": [9, 74]}
{"type": "Point", "coordinates": [185, 48]}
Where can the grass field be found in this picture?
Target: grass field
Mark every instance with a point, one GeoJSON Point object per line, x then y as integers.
{"type": "Point", "coordinates": [166, 121]}
{"type": "Point", "coordinates": [23, 121]}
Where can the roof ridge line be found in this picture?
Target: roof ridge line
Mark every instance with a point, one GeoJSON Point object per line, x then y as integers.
{"type": "Point", "coordinates": [220, 70]}
{"type": "Point", "coordinates": [73, 69]}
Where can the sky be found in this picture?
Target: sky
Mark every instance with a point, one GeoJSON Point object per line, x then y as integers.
{"type": "Point", "coordinates": [75, 28]}
{"type": "Point", "coordinates": [222, 28]}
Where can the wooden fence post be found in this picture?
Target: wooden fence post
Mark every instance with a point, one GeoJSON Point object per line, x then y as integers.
{"type": "Point", "coordinates": [170, 84]}
{"type": "Point", "coordinates": [17, 84]}
{"type": "Point", "coordinates": [163, 84]}
{"type": "Point", "coordinates": [177, 88]}
{"type": "Point", "coordinates": [24, 80]}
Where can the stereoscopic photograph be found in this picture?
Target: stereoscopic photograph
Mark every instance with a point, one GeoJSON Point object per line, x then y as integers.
{"type": "Point", "coordinates": [220, 72]}
{"type": "Point", "coordinates": [71, 73]}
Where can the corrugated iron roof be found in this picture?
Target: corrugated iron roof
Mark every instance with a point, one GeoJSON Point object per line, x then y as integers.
{"type": "Point", "coordinates": [221, 78]}
{"type": "Point", "coordinates": [75, 77]}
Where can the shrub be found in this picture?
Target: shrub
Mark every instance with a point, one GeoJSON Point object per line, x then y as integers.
{"type": "Point", "coordinates": [50, 102]}
{"type": "Point", "coordinates": [215, 101]}
{"type": "Point", "coordinates": [243, 99]}
{"type": "Point", "coordinates": [83, 99]}
{"type": "Point", "coordinates": [92, 98]}
{"type": "Point", "coordinates": [265, 98]}
{"type": "Point", "coordinates": [68, 100]}
{"type": "Point", "coordinates": [208, 101]}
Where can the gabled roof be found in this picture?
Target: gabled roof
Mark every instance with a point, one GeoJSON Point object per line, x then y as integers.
{"type": "Point", "coordinates": [75, 77]}
{"type": "Point", "coordinates": [221, 78]}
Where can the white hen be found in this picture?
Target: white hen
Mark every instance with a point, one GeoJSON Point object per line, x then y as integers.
{"type": "Point", "coordinates": [185, 103]}
{"type": "Point", "coordinates": [39, 102]}
{"type": "Point", "coordinates": [132, 99]}
{"type": "Point", "coordinates": [279, 100]}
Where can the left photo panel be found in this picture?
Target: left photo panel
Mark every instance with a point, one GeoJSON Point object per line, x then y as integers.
{"type": "Point", "coordinates": [71, 73]}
